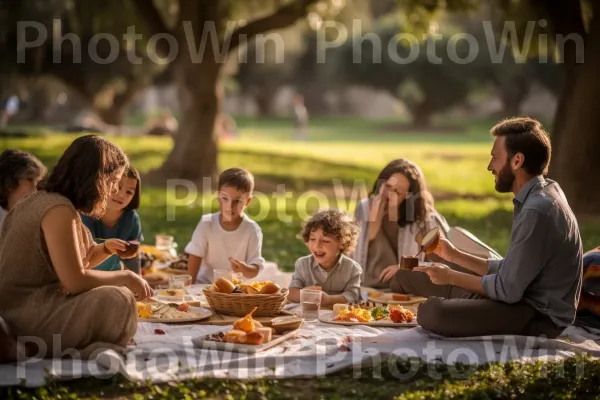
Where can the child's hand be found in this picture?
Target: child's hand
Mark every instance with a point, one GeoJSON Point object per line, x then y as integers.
{"type": "Point", "coordinates": [249, 271]}
{"type": "Point", "coordinates": [324, 299]}
{"type": "Point", "coordinates": [238, 266]}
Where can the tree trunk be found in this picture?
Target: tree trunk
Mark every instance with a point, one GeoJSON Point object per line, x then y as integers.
{"type": "Point", "coordinates": [574, 166]}
{"type": "Point", "coordinates": [421, 116]}
{"type": "Point", "coordinates": [194, 154]}
{"type": "Point", "coordinates": [565, 18]}
{"type": "Point", "coordinates": [264, 98]}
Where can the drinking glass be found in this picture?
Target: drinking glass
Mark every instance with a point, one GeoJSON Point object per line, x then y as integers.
{"type": "Point", "coordinates": [180, 282]}
{"type": "Point", "coordinates": [310, 303]}
{"type": "Point", "coordinates": [227, 274]}
{"type": "Point", "coordinates": [164, 242]}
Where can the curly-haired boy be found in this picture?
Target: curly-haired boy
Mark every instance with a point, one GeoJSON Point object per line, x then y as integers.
{"type": "Point", "coordinates": [330, 236]}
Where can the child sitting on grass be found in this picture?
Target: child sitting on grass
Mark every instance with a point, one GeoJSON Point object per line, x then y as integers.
{"type": "Point", "coordinates": [20, 173]}
{"type": "Point", "coordinates": [330, 236]}
{"type": "Point", "coordinates": [228, 239]}
{"type": "Point", "coordinates": [120, 221]}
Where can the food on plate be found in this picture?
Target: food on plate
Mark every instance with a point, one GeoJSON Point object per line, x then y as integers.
{"type": "Point", "coordinates": [409, 263]}
{"type": "Point", "coordinates": [224, 285]}
{"type": "Point", "coordinates": [379, 313]}
{"type": "Point", "coordinates": [171, 293]}
{"type": "Point", "coordinates": [400, 314]}
{"type": "Point", "coordinates": [235, 336]}
{"type": "Point", "coordinates": [246, 323]}
{"type": "Point", "coordinates": [180, 262]}
{"type": "Point", "coordinates": [366, 313]}
{"type": "Point", "coordinates": [267, 334]}
{"type": "Point", "coordinates": [400, 297]}
{"type": "Point", "coordinates": [132, 247]}
{"type": "Point", "coordinates": [270, 288]}
{"type": "Point", "coordinates": [147, 259]}
{"type": "Point", "coordinates": [160, 310]}
{"type": "Point", "coordinates": [339, 307]}
{"type": "Point", "coordinates": [144, 310]}
{"type": "Point", "coordinates": [254, 337]}
{"type": "Point", "coordinates": [159, 331]}
{"type": "Point", "coordinates": [374, 295]}
{"type": "Point", "coordinates": [245, 331]}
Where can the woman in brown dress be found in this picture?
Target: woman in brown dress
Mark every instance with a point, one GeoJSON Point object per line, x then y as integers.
{"type": "Point", "coordinates": [48, 289]}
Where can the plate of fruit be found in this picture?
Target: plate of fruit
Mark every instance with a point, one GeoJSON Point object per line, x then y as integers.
{"type": "Point", "coordinates": [371, 314]}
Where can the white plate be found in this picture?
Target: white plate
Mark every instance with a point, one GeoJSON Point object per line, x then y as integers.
{"type": "Point", "coordinates": [328, 318]}
{"type": "Point", "coordinates": [205, 314]}
{"type": "Point", "coordinates": [242, 348]}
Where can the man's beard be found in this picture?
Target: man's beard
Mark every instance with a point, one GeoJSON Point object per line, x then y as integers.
{"type": "Point", "coordinates": [505, 179]}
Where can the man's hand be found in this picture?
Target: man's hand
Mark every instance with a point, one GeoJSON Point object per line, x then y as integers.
{"type": "Point", "coordinates": [439, 274]}
{"type": "Point", "coordinates": [446, 250]}
{"type": "Point", "coordinates": [388, 273]}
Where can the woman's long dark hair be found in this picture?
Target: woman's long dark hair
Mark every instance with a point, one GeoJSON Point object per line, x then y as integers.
{"type": "Point", "coordinates": [418, 205]}
{"type": "Point", "coordinates": [83, 171]}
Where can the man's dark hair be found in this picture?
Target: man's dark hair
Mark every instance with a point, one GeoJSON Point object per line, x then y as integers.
{"type": "Point", "coordinates": [83, 171]}
{"type": "Point", "coordinates": [526, 136]}
{"type": "Point", "coordinates": [237, 178]}
{"type": "Point", "coordinates": [14, 166]}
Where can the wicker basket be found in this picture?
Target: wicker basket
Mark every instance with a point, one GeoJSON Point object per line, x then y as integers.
{"type": "Point", "coordinates": [268, 305]}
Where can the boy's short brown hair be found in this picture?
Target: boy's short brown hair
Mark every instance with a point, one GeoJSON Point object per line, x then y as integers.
{"type": "Point", "coordinates": [238, 178]}
{"type": "Point", "coordinates": [336, 223]}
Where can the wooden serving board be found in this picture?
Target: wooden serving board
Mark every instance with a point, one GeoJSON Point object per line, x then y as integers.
{"type": "Point", "coordinates": [243, 348]}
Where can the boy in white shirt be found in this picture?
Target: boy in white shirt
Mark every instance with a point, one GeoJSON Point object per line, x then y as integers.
{"type": "Point", "coordinates": [227, 239]}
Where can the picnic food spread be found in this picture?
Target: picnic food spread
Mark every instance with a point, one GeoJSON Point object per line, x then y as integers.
{"type": "Point", "coordinates": [166, 311]}
{"type": "Point", "coordinates": [224, 285]}
{"type": "Point", "coordinates": [245, 330]}
{"type": "Point", "coordinates": [365, 312]}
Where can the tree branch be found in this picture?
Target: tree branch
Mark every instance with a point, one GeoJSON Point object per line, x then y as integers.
{"type": "Point", "coordinates": [282, 18]}
{"type": "Point", "coordinates": [151, 16]}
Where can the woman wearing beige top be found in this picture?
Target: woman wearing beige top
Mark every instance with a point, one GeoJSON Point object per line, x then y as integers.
{"type": "Point", "coordinates": [392, 220]}
{"type": "Point", "coordinates": [49, 291]}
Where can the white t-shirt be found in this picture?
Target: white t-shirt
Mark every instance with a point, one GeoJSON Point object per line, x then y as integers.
{"type": "Point", "coordinates": [215, 245]}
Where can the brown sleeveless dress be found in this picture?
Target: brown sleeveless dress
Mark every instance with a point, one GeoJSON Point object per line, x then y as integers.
{"type": "Point", "coordinates": [31, 299]}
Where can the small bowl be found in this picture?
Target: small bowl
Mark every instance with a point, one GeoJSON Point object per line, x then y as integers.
{"type": "Point", "coordinates": [132, 248]}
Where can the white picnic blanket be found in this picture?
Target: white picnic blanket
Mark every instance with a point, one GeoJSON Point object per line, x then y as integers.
{"type": "Point", "coordinates": [317, 350]}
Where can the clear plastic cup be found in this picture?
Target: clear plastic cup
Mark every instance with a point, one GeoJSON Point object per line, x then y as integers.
{"type": "Point", "coordinates": [310, 303]}
{"type": "Point", "coordinates": [180, 282]}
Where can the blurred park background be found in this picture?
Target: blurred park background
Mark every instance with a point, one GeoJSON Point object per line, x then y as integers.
{"type": "Point", "coordinates": [208, 85]}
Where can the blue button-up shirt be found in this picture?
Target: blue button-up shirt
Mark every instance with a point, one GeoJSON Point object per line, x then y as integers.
{"type": "Point", "coordinates": [544, 263]}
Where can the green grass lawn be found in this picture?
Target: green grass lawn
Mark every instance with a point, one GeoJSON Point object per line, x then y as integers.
{"type": "Point", "coordinates": [351, 152]}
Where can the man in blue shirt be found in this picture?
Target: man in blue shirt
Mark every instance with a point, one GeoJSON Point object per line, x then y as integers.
{"type": "Point", "coordinates": [535, 289]}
